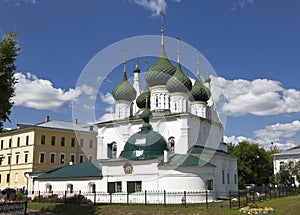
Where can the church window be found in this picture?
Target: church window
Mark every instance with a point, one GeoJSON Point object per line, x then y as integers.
{"type": "Point", "coordinates": [92, 187]}
{"type": "Point", "coordinates": [70, 188]}
{"type": "Point", "coordinates": [171, 141]}
{"type": "Point", "coordinates": [156, 101]}
{"type": "Point", "coordinates": [210, 184]}
{"type": "Point", "coordinates": [112, 150]}
{"type": "Point", "coordinates": [228, 178]}
{"type": "Point", "coordinates": [114, 187]}
{"type": "Point", "coordinates": [223, 177]}
{"type": "Point", "coordinates": [134, 186]}
{"type": "Point", "coordinates": [48, 188]}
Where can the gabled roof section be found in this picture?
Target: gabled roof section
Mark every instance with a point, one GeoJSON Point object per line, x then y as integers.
{"type": "Point", "coordinates": [203, 150]}
{"type": "Point", "coordinates": [82, 170]}
{"type": "Point", "coordinates": [182, 160]}
{"type": "Point", "coordinates": [58, 124]}
{"type": "Point", "coordinates": [291, 151]}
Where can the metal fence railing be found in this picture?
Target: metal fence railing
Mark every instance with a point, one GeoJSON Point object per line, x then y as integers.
{"type": "Point", "coordinates": [205, 199]}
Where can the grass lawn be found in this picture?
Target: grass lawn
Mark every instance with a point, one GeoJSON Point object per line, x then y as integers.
{"type": "Point", "coordinates": [285, 206]}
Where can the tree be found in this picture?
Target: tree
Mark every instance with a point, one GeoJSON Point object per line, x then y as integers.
{"type": "Point", "coordinates": [255, 165]}
{"type": "Point", "coordinates": [288, 174]}
{"type": "Point", "coordinates": [8, 53]}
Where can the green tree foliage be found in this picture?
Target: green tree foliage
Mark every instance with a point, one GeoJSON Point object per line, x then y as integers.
{"type": "Point", "coordinates": [8, 53]}
{"type": "Point", "coordinates": [255, 165]}
{"type": "Point", "coordinates": [288, 174]}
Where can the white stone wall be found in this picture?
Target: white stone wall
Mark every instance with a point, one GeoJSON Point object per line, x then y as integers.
{"type": "Point", "coordinates": [122, 109]}
{"type": "Point", "coordinates": [159, 98]}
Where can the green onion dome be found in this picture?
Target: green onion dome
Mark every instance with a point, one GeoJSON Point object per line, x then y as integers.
{"type": "Point", "coordinates": [179, 82]}
{"type": "Point", "coordinates": [161, 71]}
{"type": "Point", "coordinates": [199, 91]}
{"type": "Point", "coordinates": [143, 98]}
{"type": "Point", "coordinates": [124, 90]}
{"type": "Point", "coordinates": [145, 144]}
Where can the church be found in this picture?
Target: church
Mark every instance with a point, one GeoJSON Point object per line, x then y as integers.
{"type": "Point", "coordinates": [167, 136]}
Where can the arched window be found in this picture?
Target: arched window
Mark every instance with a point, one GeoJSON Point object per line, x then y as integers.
{"type": "Point", "coordinates": [171, 142]}
{"type": "Point", "coordinates": [69, 188]}
{"type": "Point", "coordinates": [92, 187]}
{"type": "Point", "coordinates": [112, 150]}
{"type": "Point", "coordinates": [210, 184]}
{"type": "Point", "coordinates": [48, 188]}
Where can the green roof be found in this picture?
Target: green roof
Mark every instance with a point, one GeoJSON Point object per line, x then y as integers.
{"type": "Point", "coordinates": [82, 170]}
{"type": "Point", "coordinates": [186, 161]}
{"type": "Point", "coordinates": [199, 91]}
{"type": "Point", "coordinates": [141, 99]}
{"type": "Point", "coordinates": [161, 71]}
{"type": "Point", "coordinates": [203, 150]}
{"type": "Point", "coordinates": [124, 90]}
{"type": "Point", "coordinates": [179, 82]}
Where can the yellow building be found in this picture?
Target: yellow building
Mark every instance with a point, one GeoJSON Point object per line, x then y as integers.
{"type": "Point", "coordinates": [34, 148]}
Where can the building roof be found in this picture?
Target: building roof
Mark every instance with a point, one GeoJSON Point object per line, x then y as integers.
{"type": "Point", "coordinates": [291, 151]}
{"type": "Point", "coordinates": [161, 71]}
{"type": "Point", "coordinates": [179, 82]}
{"type": "Point", "coordinates": [199, 91]}
{"type": "Point", "coordinates": [124, 90]}
{"type": "Point", "coordinates": [186, 160]}
{"type": "Point", "coordinates": [204, 150]}
{"type": "Point", "coordinates": [82, 170]}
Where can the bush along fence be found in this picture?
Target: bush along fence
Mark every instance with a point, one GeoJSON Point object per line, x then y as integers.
{"type": "Point", "coordinates": [205, 199]}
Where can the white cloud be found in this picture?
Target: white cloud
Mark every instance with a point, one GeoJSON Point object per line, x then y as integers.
{"type": "Point", "coordinates": [107, 98]}
{"type": "Point", "coordinates": [242, 4]}
{"type": "Point", "coordinates": [155, 6]}
{"type": "Point", "coordinates": [259, 97]}
{"type": "Point", "coordinates": [19, 2]}
{"type": "Point", "coordinates": [281, 135]}
{"type": "Point", "coordinates": [237, 139]}
{"type": "Point", "coordinates": [32, 92]}
{"type": "Point", "coordinates": [109, 101]}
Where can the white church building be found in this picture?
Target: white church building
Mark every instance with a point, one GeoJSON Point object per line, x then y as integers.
{"type": "Point", "coordinates": [166, 137]}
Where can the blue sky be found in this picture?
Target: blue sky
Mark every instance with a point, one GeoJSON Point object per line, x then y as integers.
{"type": "Point", "coordinates": [253, 46]}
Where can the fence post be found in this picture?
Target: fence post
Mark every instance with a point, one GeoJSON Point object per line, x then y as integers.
{"type": "Point", "coordinates": [25, 208]}
{"type": "Point", "coordinates": [127, 198]}
{"type": "Point", "coordinates": [265, 193]}
{"type": "Point", "coordinates": [94, 198]}
{"type": "Point", "coordinates": [239, 199]}
{"type": "Point", "coordinates": [39, 196]}
{"type": "Point", "coordinates": [79, 192]}
{"type": "Point", "coordinates": [184, 199]}
{"type": "Point", "coordinates": [206, 199]}
{"type": "Point", "coordinates": [145, 197]}
{"type": "Point", "coordinates": [230, 200]}
{"type": "Point", "coordinates": [247, 197]}
{"type": "Point", "coordinates": [110, 198]}
{"type": "Point", "coordinates": [52, 196]}
{"type": "Point", "coordinates": [253, 200]}
{"type": "Point", "coordinates": [65, 196]}
{"type": "Point", "coordinates": [165, 200]}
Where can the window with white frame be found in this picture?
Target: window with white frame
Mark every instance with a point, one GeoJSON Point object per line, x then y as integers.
{"type": "Point", "coordinates": [72, 158]}
{"type": "Point", "coordinates": [62, 158]}
{"type": "Point", "coordinates": [42, 157]}
{"type": "Point", "coordinates": [52, 157]}
{"type": "Point", "coordinates": [26, 157]}
{"type": "Point", "coordinates": [81, 158]}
